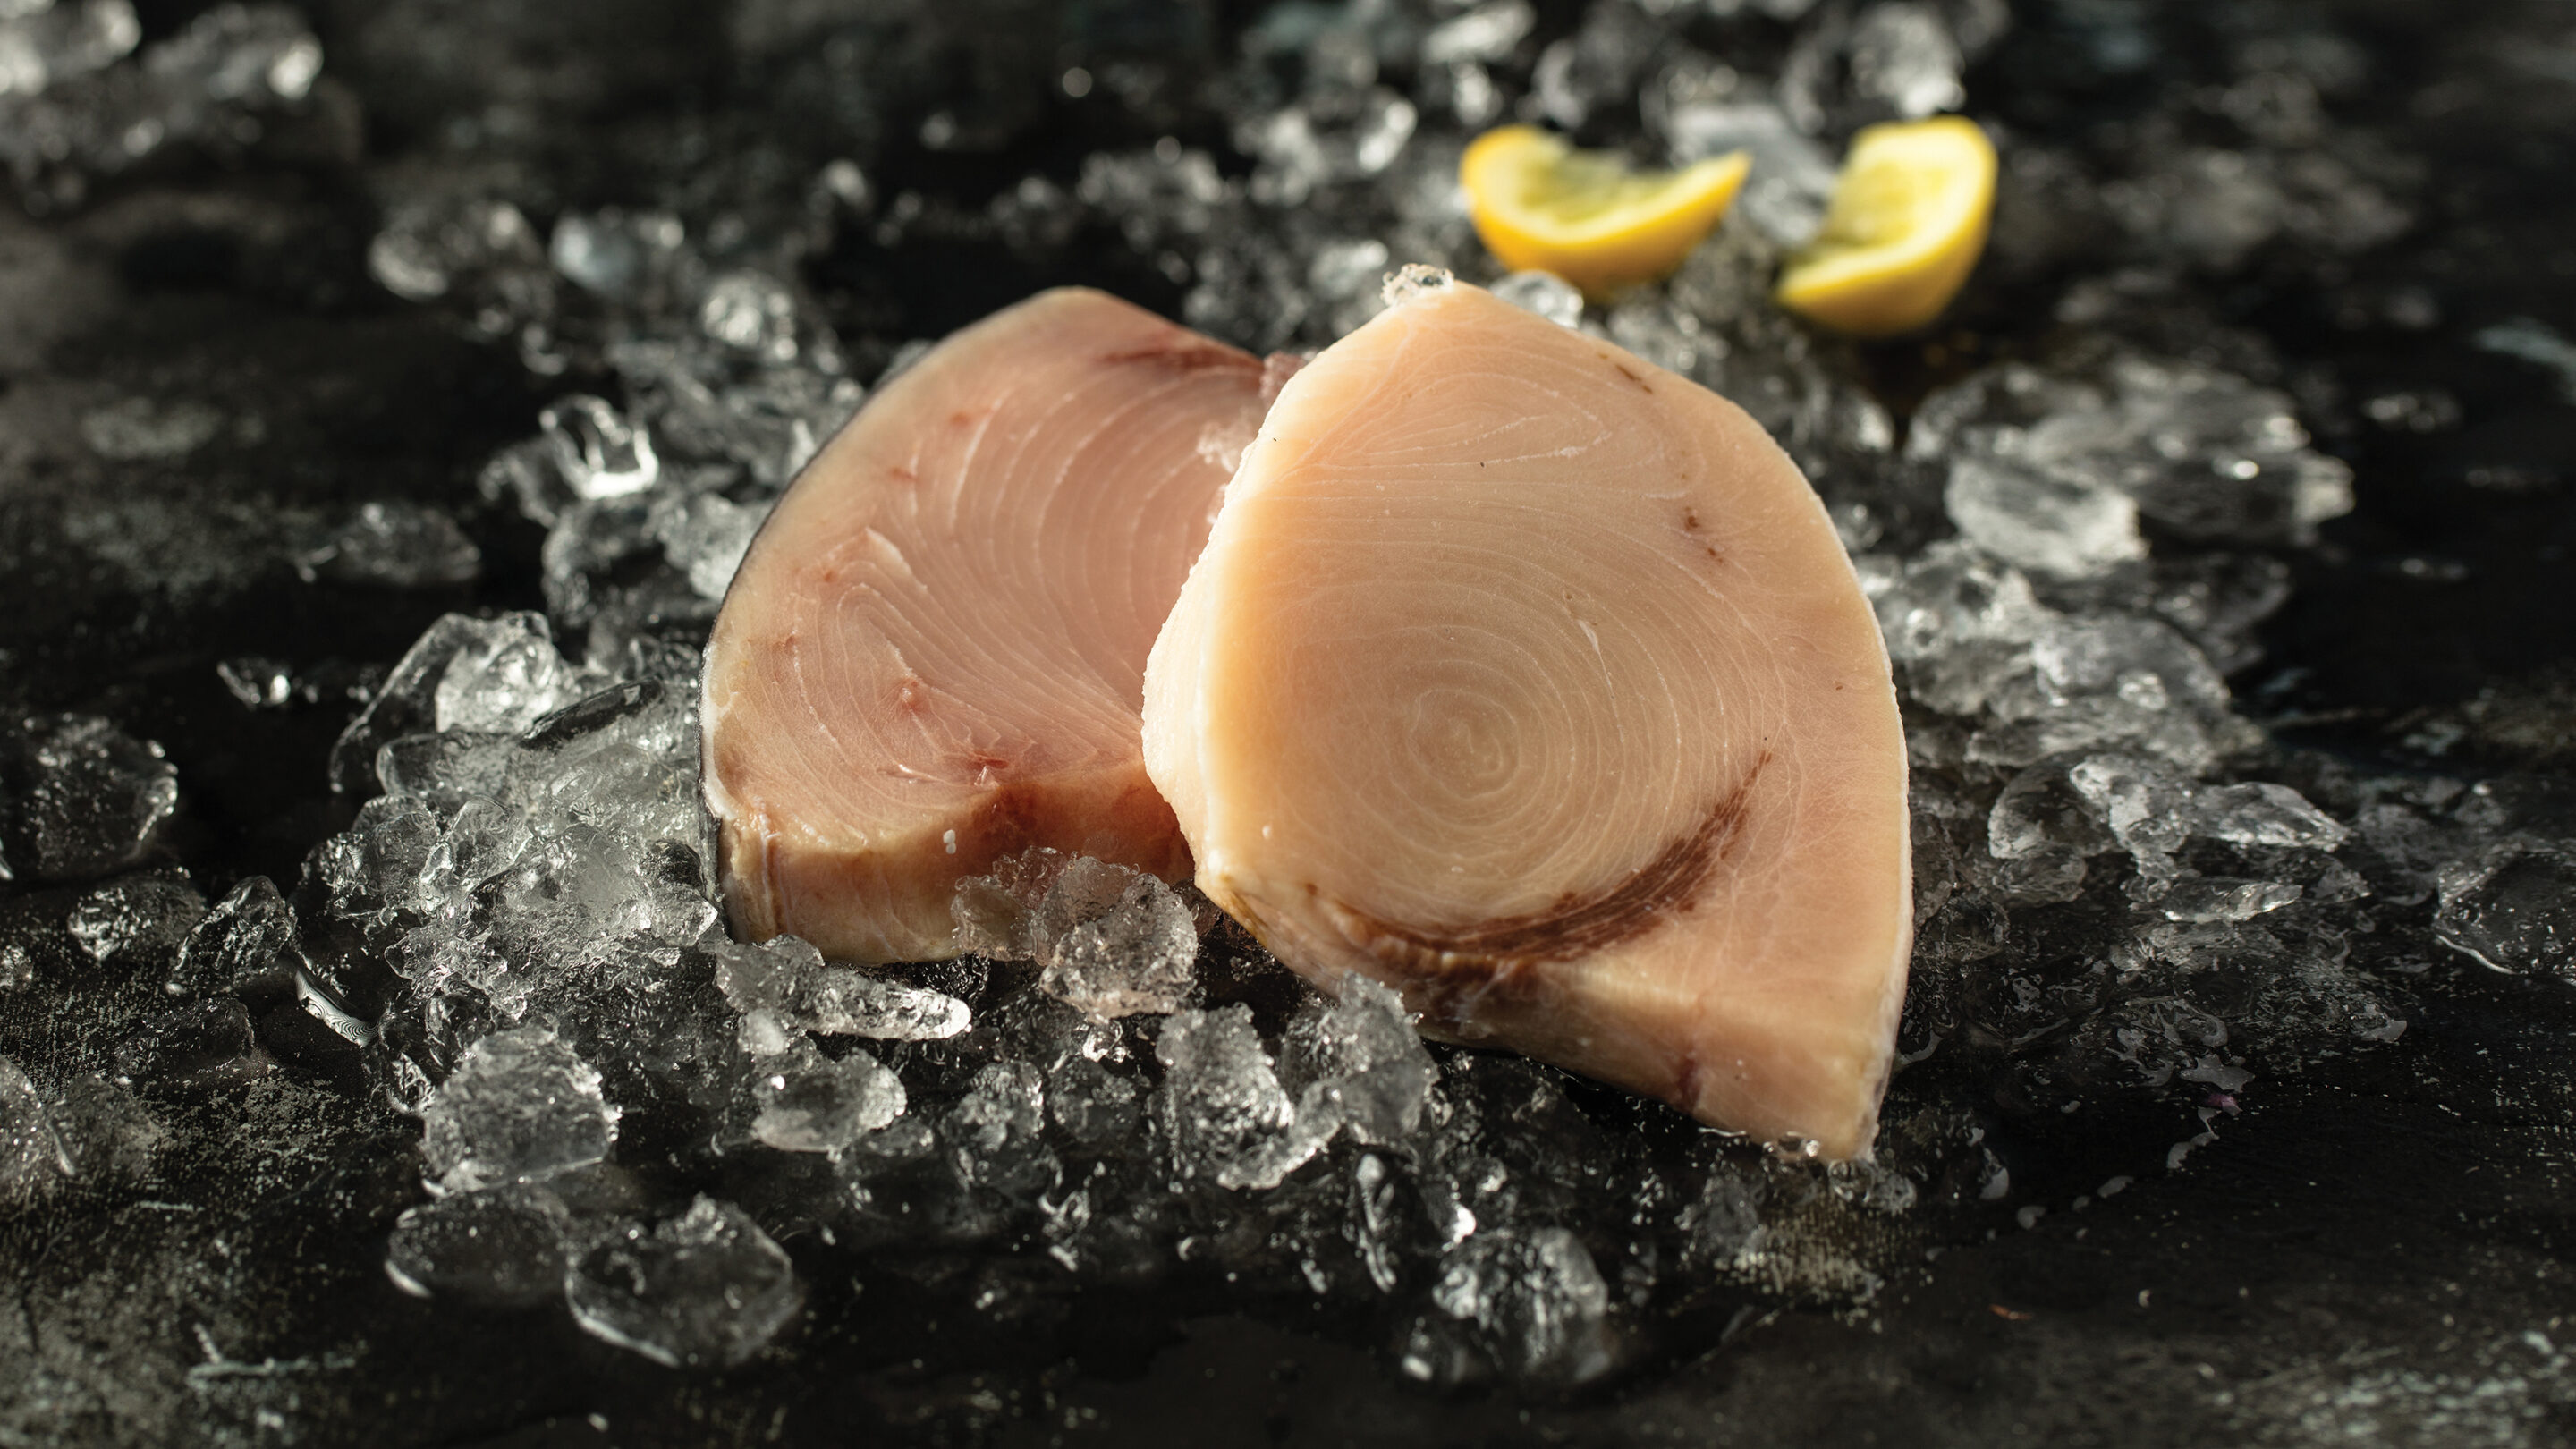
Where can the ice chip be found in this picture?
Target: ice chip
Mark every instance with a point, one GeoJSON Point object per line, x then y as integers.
{"type": "Point", "coordinates": [50, 44]}
{"type": "Point", "coordinates": [2513, 910]}
{"type": "Point", "coordinates": [1531, 1302]}
{"type": "Point", "coordinates": [1110, 940]}
{"type": "Point", "coordinates": [598, 451]}
{"type": "Point", "coordinates": [395, 544]}
{"type": "Point", "coordinates": [810, 1103]}
{"type": "Point", "coordinates": [238, 945]}
{"type": "Point", "coordinates": [752, 314]}
{"type": "Point", "coordinates": [1903, 55]}
{"type": "Point", "coordinates": [611, 252]}
{"type": "Point", "coordinates": [1354, 1062]}
{"type": "Point", "coordinates": [142, 429]}
{"type": "Point", "coordinates": [787, 980]}
{"type": "Point", "coordinates": [257, 681]}
{"type": "Point", "coordinates": [2264, 814]}
{"type": "Point", "coordinates": [1546, 293]}
{"type": "Point", "coordinates": [88, 797]}
{"type": "Point", "coordinates": [2046, 523]}
{"type": "Point", "coordinates": [407, 702]}
{"type": "Point", "coordinates": [32, 1157]}
{"type": "Point", "coordinates": [521, 1107]}
{"type": "Point", "coordinates": [136, 918]}
{"type": "Point", "coordinates": [1230, 1119]}
{"type": "Point", "coordinates": [2217, 898]}
{"type": "Point", "coordinates": [205, 1043]}
{"type": "Point", "coordinates": [706, 538]}
{"type": "Point", "coordinates": [995, 1133]}
{"type": "Point", "coordinates": [1414, 280]}
{"type": "Point", "coordinates": [499, 1248]}
{"type": "Point", "coordinates": [506, 679]}
{"type": "Point", "coordinates": [707, 1288]}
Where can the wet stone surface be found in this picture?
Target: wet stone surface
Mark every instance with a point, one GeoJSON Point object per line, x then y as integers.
{"type": "Point", "coordinates": [388, 392]}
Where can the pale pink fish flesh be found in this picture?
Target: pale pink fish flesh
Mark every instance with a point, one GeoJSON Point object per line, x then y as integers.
{"type": "Point", "coordinates": [1531, 679]}
{"type": "Point", "coordinates": [932, 657]}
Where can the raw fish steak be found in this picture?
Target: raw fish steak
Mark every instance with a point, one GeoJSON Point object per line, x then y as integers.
{"type": "Point", "coordinates": [933, 655]}
{"type": "Point", "coordinates": [1530, 679]}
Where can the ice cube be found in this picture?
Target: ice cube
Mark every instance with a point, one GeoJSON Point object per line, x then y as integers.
{"type": "Point", "coordinates": [1903, 55]}
{"type": "Point", "coordinates": [32, 1157]}
{"type": "Point", "coordinates": [705, 537]}
{"type": "Point", "coordinates": [206, 1043]}
{"type": "Point", "coordinates": [499, 1248]}
{"type": "Point", "coordinates": [2514, 910]}
{"type": "Point", "coordinates": [88, 797]}
{"type": "Point", "coordinates": [707, 1288]}
{"type": "Point", "coordinates": [506, 679]}
{"type": "Point", "coordinates": [144, 429]}
{"type": "Point", "coordinates": [786, 981]}
{"type": "Point", "coordinates": [484, 840]}
{"type": "Point", "coordinates": [1531, 1303]}
{"type": "Point", "coordinates": [2264, 814]}
{"type": "Point", "coordinates": [810, 1103]}
{"type": "Point", "coordinates": [1545, 293]}
{"type": "Point", "coordinates": [2044, 522]}
{"type": "Point", "coordinates": [521, 1107]}
{"type": "Point", "coordinates": [395, 544]}
{"type": "Point", "coordinates": [752, 314]}
{"type": "Point", "coordinates": [995, 1133]}
{"type": "Point", "coordinates": [258, 681]}
{"type": "Point", "coordinates": [2219, 898]}
{"type": "Point", "coordinates": [46, 44]}
{"type": "Point", "coordinates": [614, 253]}
{"type": "Point", "coordinates": [1230, 1120]}
{"type": "Point", "coordinates": [436, 246]}
{"type": "Point", "coordinates": [239, 945]}
{"type": "Point", "coordinates": [1355, 1063]}
{"type": "Point", "coordinates": [599, 453]}
{"type": "Point", "coordinates": [110, 1139]}
{"type": "Point", "coordinates": [136, 918]}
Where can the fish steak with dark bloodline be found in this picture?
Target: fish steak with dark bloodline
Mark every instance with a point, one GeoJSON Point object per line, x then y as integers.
{"type": "Point", "coordinates": [933, 655]}
{"type": "Point", "coordinates": [1531, 679]}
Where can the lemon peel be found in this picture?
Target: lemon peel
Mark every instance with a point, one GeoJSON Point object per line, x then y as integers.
{"type": "Point", "coordinates": [1587, 216]}
{"type": "Point", "coordinates": [1905, 227]}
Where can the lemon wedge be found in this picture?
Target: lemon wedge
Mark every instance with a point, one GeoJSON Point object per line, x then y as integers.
{"type": "Point", "coordinates": [1905, 226]}
{"type": "Point", "coordinates": [1542, 205]}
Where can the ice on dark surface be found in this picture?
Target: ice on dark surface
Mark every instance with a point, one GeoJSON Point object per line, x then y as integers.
{"type": "Point", "coordinates": [2134, 901]}
{"type": "Point", "coordinates": [84, 798]}
{"type": "Point", "coordinates": [521, 1107]}
{"type": "Point", "coordinates": [706, 1288]}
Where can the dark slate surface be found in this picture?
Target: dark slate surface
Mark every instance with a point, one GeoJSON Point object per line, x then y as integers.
{"type": "Point", "coordinates": [2390, 1241]}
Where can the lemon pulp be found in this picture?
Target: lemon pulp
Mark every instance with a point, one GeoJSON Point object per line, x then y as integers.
{"type": "Point", "coordinates": [1906, 224]}
{"type": "Point", "coordinates": [1541, 205]}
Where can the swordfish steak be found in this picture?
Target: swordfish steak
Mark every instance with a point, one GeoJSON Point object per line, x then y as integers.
{"type": "Point", "coordinates": [933, 655]}
{"type": "Point", "coordinates": [1528, 678]}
